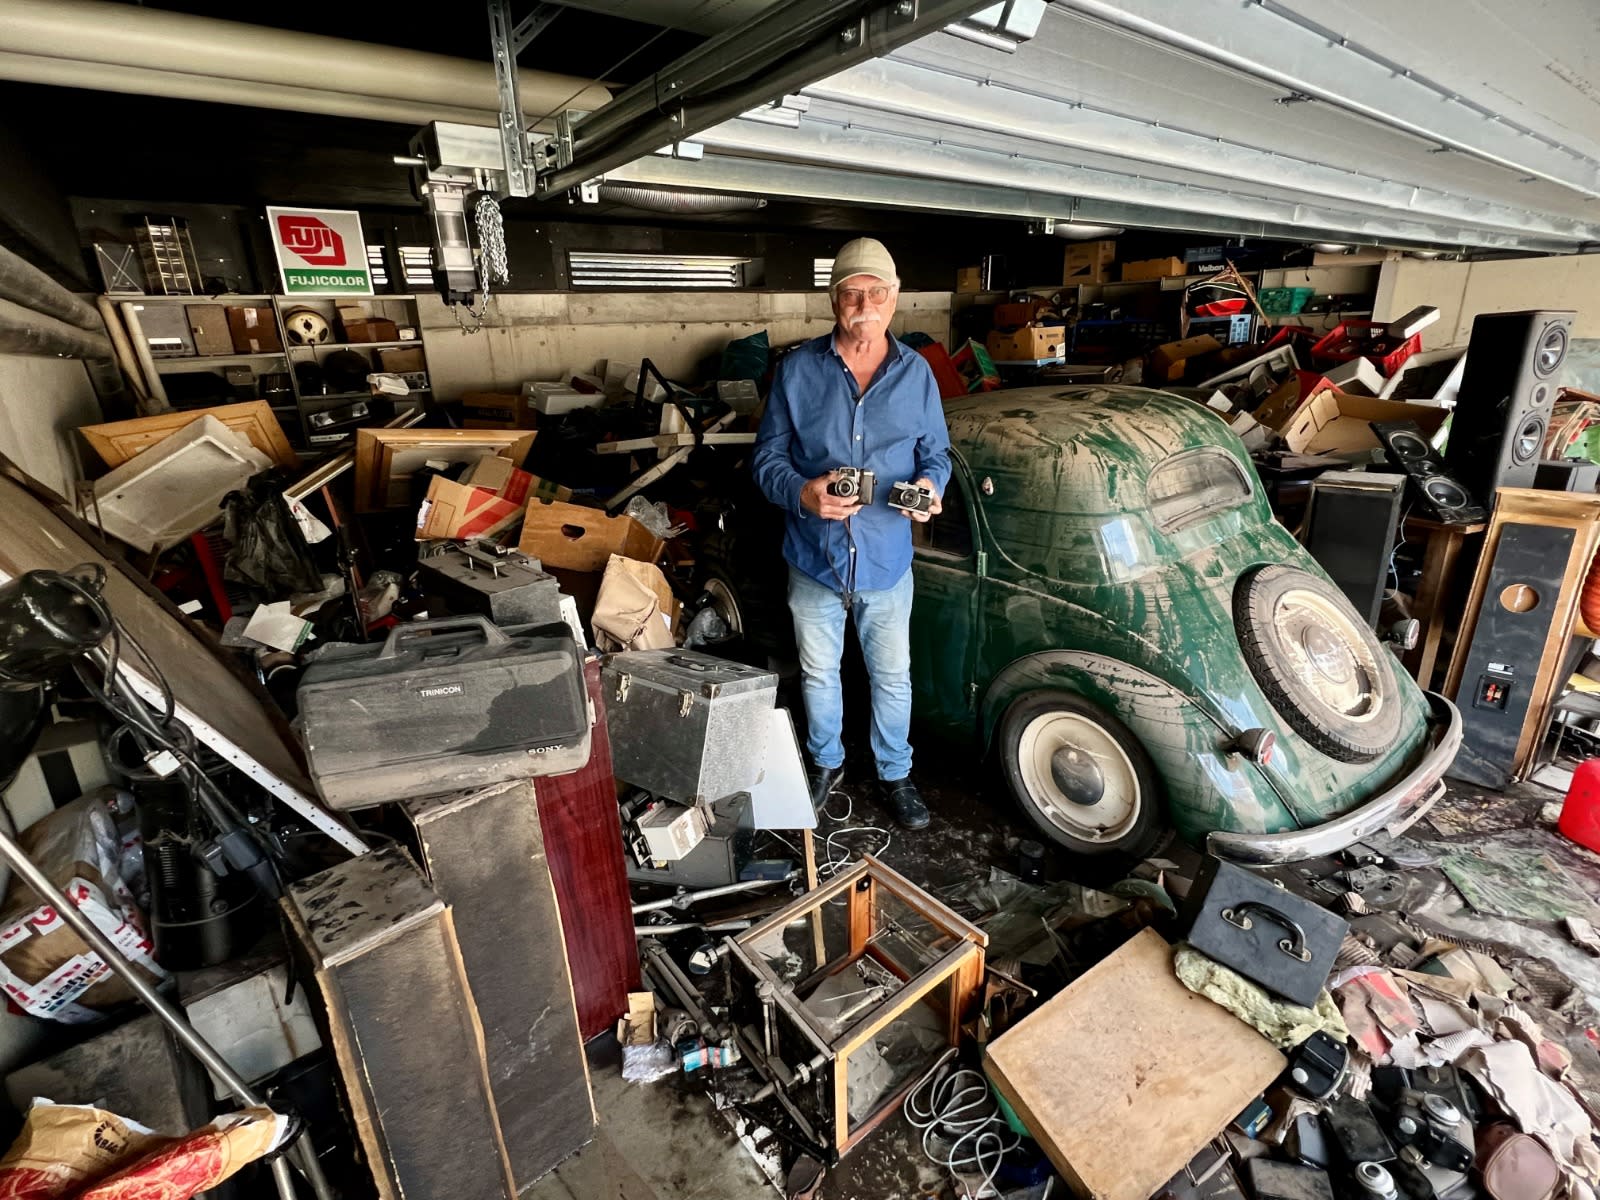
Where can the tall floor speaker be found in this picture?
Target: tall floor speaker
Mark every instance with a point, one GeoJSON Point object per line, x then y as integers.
{"type": "Point", "coordinates": [1502, 413]}
{"type": "Point", "coordinates": [1508, 665]}
{"type": "Point", "coordinates": [1349, 530]}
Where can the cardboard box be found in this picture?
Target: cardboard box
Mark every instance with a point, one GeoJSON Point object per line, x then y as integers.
{"type": "Point", "coordinates": [969, 279]}
{"type": "Point", "coordinates": [209, 324]}
{"type": "Point", "coordinates": [1337, 423]}
{"type": "Point", "coordinates": [371, 329]}
{"type": "Point", "coordinates": [504, 478]}
{"type": "Point", "coordinates": [1152, 268]}
{"type": "Point", "coordinates": [457, 511]}
{"type": "Point", "coordinates": [1251, 432]}
{"type": "Point", "coordinates": [576, 538]}
{"type": "Point", "coordinates": [1167, 361]}
{"type": "Point", "coordinates": [402, 360]}
{"type": "Point", "coordinates": [496, 410]}
{"type": "Point", "coordinates": [1030, 343]}
{"type": "Point", "coordinates": [254, 329]}
{"type": "Point", "coordinates": [1275, 411]}
{"type": "Point", "coordinates": [1088, 262]}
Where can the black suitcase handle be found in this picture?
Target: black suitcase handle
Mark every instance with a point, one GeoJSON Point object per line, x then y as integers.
{"type": "Point", "coordinates": [1294, 945]}
{"type": "Point", "coordinates": [492, 635]}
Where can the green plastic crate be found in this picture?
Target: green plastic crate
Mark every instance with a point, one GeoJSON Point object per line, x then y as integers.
{"type": "Point", "coordinates": [1280, 302]}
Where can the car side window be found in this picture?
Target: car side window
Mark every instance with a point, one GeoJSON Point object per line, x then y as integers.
{"type": "Point", "coordinates": [951, 531]}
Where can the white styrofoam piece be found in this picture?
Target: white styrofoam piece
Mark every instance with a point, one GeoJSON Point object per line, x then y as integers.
{"type": "Point", "coordinates": [553, 399]}
{"type": "Point", "coordinates": [781, 798]}
{"type": "Point", "coordinates": [163, 494]}
{"type": "Point", "coordinates": [1445, 396]}
{"type": "Point", "coordinates": [1357, 376]}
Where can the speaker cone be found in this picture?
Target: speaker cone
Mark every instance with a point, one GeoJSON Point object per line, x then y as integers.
{"type": "Point", "coordinates": [1446, 493]}
{"type": "Point", "coordinates": [1529, 440]}
{"type": "Point", "coordinates": [1408, 446]}
{"type": "Point", "coordinates": [1552, 350]}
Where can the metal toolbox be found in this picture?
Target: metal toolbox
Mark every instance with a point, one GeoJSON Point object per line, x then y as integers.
{"type": "Point", "coordinates": [687, 725]}
{"type": "Point", "coordinates": [443, 705]}
{"type": "Point", "coordinates": [509, 589]}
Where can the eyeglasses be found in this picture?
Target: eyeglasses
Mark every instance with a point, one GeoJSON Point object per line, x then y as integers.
{"type": "Point", "coordinates": [856, 295]}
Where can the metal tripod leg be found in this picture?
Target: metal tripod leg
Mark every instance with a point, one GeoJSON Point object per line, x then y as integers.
{"type": "Point", "coordinates": [170, 1015]}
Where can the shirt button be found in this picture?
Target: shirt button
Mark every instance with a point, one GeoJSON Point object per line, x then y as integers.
{"type": "Point", "coordinates": [858, 437]}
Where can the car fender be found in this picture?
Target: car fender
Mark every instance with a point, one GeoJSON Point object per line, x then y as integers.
{"type": "Point", "coordinates": [1208, 789]}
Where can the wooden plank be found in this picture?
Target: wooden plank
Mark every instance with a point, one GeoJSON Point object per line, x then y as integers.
{"type": "Point", "coordinates": [1439, 559]}
{"type": "Point", "coordinates": [486, 857]}
{"type": "Point", "coordinates": [211, 695]}
{"type": "Point", "coordinates": [583, 839]}
{"type": "Point", "coordinates": [118, 441]}
{"type": "Point", "coordinates": [1125, 1074]}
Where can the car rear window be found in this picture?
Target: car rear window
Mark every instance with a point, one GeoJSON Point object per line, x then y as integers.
{"type": "Point", "coordinates": [1195, 484]}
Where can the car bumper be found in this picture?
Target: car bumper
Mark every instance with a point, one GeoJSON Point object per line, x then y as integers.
{"type": "Point", "coordinates": [1391, 812]}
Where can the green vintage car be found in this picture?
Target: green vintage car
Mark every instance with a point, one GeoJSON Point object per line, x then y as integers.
{"type": "Point", "coordinates": [1107, 603]}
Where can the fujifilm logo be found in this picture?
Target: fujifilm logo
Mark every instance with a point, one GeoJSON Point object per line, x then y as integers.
{"type": "Point", "coordinates": [442, 689]}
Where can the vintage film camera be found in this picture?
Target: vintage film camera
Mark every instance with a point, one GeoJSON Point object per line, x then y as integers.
{"type": "Point", "coordinates": [853, 482]}
{"type": "Point", "coordinates": [910, 497]}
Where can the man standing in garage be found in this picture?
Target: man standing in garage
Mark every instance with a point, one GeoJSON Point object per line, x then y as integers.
{"type": "Point", "coordinates": [854, 397]}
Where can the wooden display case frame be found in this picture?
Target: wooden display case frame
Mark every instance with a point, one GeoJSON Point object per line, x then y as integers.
{"type": "Point", "coordinates": [950, 982]}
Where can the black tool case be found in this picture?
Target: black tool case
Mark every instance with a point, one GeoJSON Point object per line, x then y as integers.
{"type": "Point", "coordinates": [443, 705]}
{"type": "Point", "coordinates": [1263, 931]}
{"type": "Point", "coordinates": [509, 589]}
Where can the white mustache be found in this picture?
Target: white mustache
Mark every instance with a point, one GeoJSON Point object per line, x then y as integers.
{"type": "Point", "coordinates": [863, 318]}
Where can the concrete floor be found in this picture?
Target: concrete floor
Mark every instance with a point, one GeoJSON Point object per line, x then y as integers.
{"type": "Point", "coordinates": [664, 1141]}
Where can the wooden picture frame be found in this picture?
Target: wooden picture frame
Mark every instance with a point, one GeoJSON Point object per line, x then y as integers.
{"type": "Point", "coordinates": [118, 441]}
{"type": "Point", "coordinates": [386, 458]}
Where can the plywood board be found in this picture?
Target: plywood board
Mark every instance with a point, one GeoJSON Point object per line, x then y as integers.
{"type": "Point", "coordinates": [223, 709]}
{"type": "Point", "coordinates": [1126, 1073]}
{"type": "Point", "coordinates": [118, 441]}
{"type": "Point", "coordinates": [386, 458]}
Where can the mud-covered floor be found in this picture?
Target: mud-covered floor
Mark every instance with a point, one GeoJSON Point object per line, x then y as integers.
{"type": "Point", "coordinates": [663, 1141]}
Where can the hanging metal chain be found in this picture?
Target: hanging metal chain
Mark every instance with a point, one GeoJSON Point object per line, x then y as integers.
{"type": "Point", "coordinates": [493, 266]}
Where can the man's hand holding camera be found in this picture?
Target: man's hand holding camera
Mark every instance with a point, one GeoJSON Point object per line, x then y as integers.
{"type": "Point", "coordinates": [818, 497]}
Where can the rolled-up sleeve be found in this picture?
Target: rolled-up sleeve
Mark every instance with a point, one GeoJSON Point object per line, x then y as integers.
{"type": "Point", "coordinates": [771, 463]}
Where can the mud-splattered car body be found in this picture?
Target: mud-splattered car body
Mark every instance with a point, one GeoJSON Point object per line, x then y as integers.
{"type": "Point", "coordinates": [1058, 566]}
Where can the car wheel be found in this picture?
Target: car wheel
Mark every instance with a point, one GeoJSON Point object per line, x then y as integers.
{"type": "Point", "coordinates": [1318, 662]}
{"type": "Point", "coordinates": [752, 602]}
{"type": "Point", "coordinates": [1081, 775]}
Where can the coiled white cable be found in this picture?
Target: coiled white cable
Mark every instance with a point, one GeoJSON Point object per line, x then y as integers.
{"type": "Point", "coordinates": [961, 1112]}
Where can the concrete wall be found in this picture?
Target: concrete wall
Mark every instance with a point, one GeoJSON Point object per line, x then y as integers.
{"type": "Point", "coordinates": [1463, 290]}
{"type": "Point", "coordinates": [542, 335]}
{"type": "Point", "coordinates": [42, 400]}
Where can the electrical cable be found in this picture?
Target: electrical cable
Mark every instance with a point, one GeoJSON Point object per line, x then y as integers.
{"type": "Point", "coordinates": [963, 1114]}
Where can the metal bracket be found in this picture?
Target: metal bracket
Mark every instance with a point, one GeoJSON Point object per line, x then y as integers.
{"type": "Point", "coordinates": [532, 25]}
{"type": "Point", "coordinates": [521, 170]}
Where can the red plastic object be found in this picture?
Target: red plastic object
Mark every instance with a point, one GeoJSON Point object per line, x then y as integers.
{"type": "Point", "coordinates": [1357, 339]}
{"type": "Point", "coordinates": [1221, 308]}
{"type": "Point", "coordinates": [945, 374]}
{"type": "Point", "coordinates": [1580, 812]}
{"type": "Point", "coordinates": [1589, 597]}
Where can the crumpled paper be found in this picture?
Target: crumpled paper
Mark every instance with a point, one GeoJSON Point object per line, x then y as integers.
{"type": "Point", "coordinates": [1540, 1105]}
{"type": "Point", "coordinates": [1281, 1023]}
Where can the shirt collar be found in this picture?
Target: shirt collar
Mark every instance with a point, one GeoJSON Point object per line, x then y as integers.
{"type": "Point", "coordinates": [828, 343]}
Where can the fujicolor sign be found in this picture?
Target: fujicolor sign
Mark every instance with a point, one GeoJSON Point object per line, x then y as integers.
{"type": "Point", "coordinates": [320, 251]}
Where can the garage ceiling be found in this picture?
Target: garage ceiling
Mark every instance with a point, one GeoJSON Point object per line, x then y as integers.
{"type": "Point", "coordinates": [1436, 122]}
{"type": "Point", "coordinates": [1456, 124]}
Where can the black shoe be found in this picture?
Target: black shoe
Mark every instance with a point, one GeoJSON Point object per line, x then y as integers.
{"type": "Point", "coordinates": [823, 780]}
{"type": "Point", "coordinates": [904, 803]}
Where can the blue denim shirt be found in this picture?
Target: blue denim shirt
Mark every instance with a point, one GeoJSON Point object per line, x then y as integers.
{"type": "Point", "coordinates": [814, 422]}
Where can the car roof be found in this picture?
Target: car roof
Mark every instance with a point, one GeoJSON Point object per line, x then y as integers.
{"type": "Point", "coordinates": [1132, 425]}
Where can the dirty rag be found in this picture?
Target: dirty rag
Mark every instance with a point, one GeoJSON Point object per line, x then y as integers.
{"type": "Point", "coordinates": [1281, 1023]}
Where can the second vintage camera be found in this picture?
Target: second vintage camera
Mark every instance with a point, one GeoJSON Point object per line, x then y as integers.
{"type": "Point", "coordinates": [853, 483]}
{"type": "Point", "coordinates": [910, 497]}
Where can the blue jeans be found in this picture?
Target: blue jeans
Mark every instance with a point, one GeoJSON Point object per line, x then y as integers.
{"type": "Point", "coordinates": [883, 624]}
